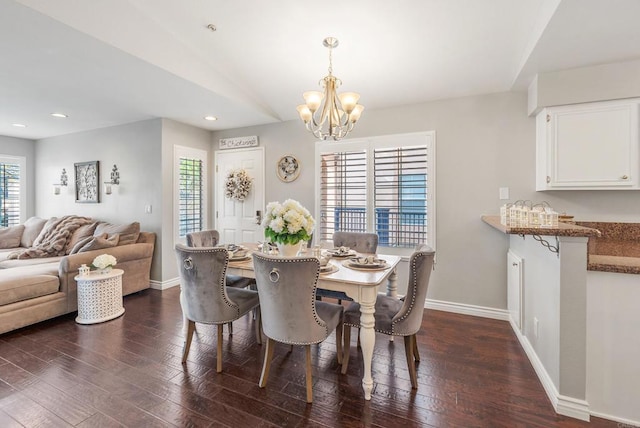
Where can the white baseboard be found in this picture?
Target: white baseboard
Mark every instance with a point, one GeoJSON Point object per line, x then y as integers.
{"type": "Point", "coordinates": [163, 285]}
{"type": "Point", "coordinates": [465, 309]}
{"type": "Point", "coordinates": [622, 422]}
{"type": "Point", "coordinates": [563, 405]}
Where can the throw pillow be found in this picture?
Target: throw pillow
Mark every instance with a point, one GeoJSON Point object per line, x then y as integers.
{"type": "Point", "coordinates": [48, 225]}
{"type": "Point", "coordinates": [129, 233]}
{"type": "Point", "coordinates": [80, 234]}
{"type": "Point", "coordinates": [100, 243]}
{"type": "Point", "coordinates": [32, 228]}
{"type": "Point", "coordinates": [84, 241]}
{"type": "Point", "coordinates": [10, 236]}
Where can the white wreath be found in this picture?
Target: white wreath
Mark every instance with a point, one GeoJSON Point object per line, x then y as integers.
{"type": "Point", "coordinates": [238, 185]}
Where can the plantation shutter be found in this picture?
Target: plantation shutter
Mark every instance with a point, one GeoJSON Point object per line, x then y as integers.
{"type": "Point", "coordinates": [9, 194]}
{"type": "Point", "coordinates": [191, 196]}
{"type": "Point", "coordinates": [400, 195]}
{"type": "Point", "coordinates": [343, 192]}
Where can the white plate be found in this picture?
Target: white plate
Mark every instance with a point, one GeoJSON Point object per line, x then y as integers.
{"type": "Point", "coordinates": [351, 265]}
{"type": "Point", "coordinates": [335, 253]}
{"type": "Point", "coordinates": [329, 269]}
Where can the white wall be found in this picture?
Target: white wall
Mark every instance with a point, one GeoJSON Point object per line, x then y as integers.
{"type": "Point", "coordinates": [26, 148]}
{"type": "Point", "coordinates": [613, 346]}
{"type": "Point", "coordinates": [134, 148]}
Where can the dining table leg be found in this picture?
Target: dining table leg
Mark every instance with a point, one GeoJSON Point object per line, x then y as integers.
{"type": "Point", "coordinates": [367, 336]}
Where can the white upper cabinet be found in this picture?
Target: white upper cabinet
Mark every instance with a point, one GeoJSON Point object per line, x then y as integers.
{"type": "Point", "coordinates": [588, 146]}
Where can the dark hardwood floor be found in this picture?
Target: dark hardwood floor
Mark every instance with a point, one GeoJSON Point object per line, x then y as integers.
{"type": "Point", "coordinates": [127, 372]}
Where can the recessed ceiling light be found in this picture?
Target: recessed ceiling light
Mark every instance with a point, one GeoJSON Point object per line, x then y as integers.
{"type": "Point", "coordinates": [19, 125]}
{"type": "Point", "coordinates": [210, 118]}
{"type": "Point", "coordinates": [59, 115]}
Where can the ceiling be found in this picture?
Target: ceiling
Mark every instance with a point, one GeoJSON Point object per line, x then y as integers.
{"type": "Point", "coordinates": [108, 62]}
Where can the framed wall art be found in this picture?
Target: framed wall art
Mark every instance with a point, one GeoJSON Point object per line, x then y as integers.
{"type": "Point", "coordinates": [87, 182]}
{"type": "Point", "coordinates": [288, 168]}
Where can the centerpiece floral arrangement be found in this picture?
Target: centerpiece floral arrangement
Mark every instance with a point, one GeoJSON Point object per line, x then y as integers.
{"type": "Point", "coordinates": [238, 184]}
{"type": "Point", "coordinates": [104, 262]}
{"type": "Point", "coordinates": [287, 223]}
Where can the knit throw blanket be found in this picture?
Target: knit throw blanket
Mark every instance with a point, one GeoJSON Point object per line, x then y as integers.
{"type": "Point", "coordinates": [53, 239]}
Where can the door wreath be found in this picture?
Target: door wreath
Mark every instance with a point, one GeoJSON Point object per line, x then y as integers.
{"type": "Point", "coordinates": [238, 184]}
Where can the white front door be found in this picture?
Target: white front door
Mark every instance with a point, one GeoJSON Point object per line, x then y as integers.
{"type": "Point", "coordinates": [238, 221]}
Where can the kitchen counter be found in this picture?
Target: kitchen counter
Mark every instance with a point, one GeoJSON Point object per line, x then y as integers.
{"type": "Point", "coordinates": [563, 229]}
{"type": "Point", "coordinates": [613, 247]}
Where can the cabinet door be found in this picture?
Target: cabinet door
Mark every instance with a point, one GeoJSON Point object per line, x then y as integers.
{"type": "Point", "coordinates": [515, 292]}
{"type": "Point", "coordinates": [592, 146]}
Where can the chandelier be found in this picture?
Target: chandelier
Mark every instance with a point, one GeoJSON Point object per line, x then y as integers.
{"type": "Point", "coordinates": [334, 118]}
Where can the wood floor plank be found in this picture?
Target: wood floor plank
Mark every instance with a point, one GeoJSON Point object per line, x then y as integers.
{"type": "Point", "coordinates": [128, 372]}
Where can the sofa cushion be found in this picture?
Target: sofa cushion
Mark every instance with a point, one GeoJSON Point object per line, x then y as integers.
{"type": "Point", "coordinates": [14, 263]}
{"type": "Point", "coordinates": [28, 282]}
{"type": "Point", "coordinates": [32, 228]}
{"type": "Point", "coordinates": [100, 242]}
{"type": "Point", "coordinates": [128, 232]}
{"type": "Point", "coordinates": [10, 236]}
{"type": "Point", "coordinates": [79, 235]}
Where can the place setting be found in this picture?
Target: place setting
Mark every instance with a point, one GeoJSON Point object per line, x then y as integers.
{"type": "Point", "coordinates": [368, 263]}
{"type": "Point", "coordinates": [341, 252]}
{"type": "Point", "coordinates": [237, 253]}
{"type": "Point", "coordinates": [327, 268]}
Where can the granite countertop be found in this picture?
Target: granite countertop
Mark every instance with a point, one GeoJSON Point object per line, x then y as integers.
{"type": "Point", "coordinates": [563, 229]}
{"type": "Point", "coordinates": [612, 247]}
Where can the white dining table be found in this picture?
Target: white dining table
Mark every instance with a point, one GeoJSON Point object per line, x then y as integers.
{"type": "Point", "coordinates": [361, 286]}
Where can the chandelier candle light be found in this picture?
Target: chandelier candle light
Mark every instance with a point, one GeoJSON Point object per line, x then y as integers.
{"type": "Point", "coordinates": [338, 114]}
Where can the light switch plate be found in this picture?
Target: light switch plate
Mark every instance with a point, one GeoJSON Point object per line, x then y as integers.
{"type": "Point", "coordinates": [504, 193]}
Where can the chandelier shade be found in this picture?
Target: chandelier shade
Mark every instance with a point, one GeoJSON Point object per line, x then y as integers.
{"type": "Point", "coordinates": [327, 114]}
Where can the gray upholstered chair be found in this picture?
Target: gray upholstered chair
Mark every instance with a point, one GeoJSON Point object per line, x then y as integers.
{"type": "Point", "coordinates": [210, 238]}
{"type": "Point", "coordinates": [362, 242]}
{"type": "Point", "coordinates": [290, 313]}
{"type": "Point", "coordinates": [398, 317]}
{"type": "Point", "coordinates": [205, 298]}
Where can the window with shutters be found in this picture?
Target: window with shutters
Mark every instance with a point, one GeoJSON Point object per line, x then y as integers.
{"type": "Point", "coordinates": [190, 189]}
{"type": "Point", "coordinates": [12, 170]}
{"type": "Point", "coordinates": [383, 185]}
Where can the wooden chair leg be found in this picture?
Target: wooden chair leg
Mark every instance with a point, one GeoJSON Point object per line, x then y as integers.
{"type": "Point", "coordinates": [408, 348]}
{"type": "Point", "coordinates": [416, 353]}
{"type": "Point", "coordinates": [191, 328]}
{"type": "Point", "coordinates": [268, 356]}
{"type": "Point", "coordinates": [339, 329]}
{"type": "Point", "coordinates": [219, 350]}
{"type": "Point", "coordinates": [346, 348]}
{"type": "Point", "coordinates": [309, 378]}
{"type": "Point", "coordinates": [258, 325]}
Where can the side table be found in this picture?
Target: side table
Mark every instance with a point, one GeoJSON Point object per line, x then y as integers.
{"type": "Point", "coordinates": [99, 297]}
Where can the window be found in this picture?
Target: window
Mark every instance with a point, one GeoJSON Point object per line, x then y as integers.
{"type": "Point", "coordinates": [190, 196]}
{"type": "Point", "coordinates": [11, 190]}
{"type": "Point", "coordinates": [384, 185]}
{"type": "Point", "coordinates": [190, 190]}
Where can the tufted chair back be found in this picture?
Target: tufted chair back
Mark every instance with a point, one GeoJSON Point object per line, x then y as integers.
{"type": "Point", "coordinates": [205, 238]}
{"type": "Point", "coordinates": [409, 319]}
{"type": "Point", "coordinates": [359, 241]}
{"type": "Point", "coordinates": [204, 297]}
{"type": "Point", "coordinates": [287, 288]}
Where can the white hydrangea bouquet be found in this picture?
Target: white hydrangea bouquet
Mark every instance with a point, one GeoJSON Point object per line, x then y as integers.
{"type": "Point", "coordinates": [104, 262]}
{"type": "Point", "coordinates": [287, 223]}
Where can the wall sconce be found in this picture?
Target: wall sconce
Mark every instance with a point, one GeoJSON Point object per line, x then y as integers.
{"type": "Point", "coordinates": [115, 180]}
{"type": "Point", "coordinates": [64, 180]}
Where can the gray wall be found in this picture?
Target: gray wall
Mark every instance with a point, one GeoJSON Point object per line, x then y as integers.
{"type": "Point", "coordinates": [482, 143]}
{"type": "Point", "coordinates": [134, 148]}
{"type": "Point", "coordinates": [26, 148]}
{"type": "Point", "coordinates": [177, 134]}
